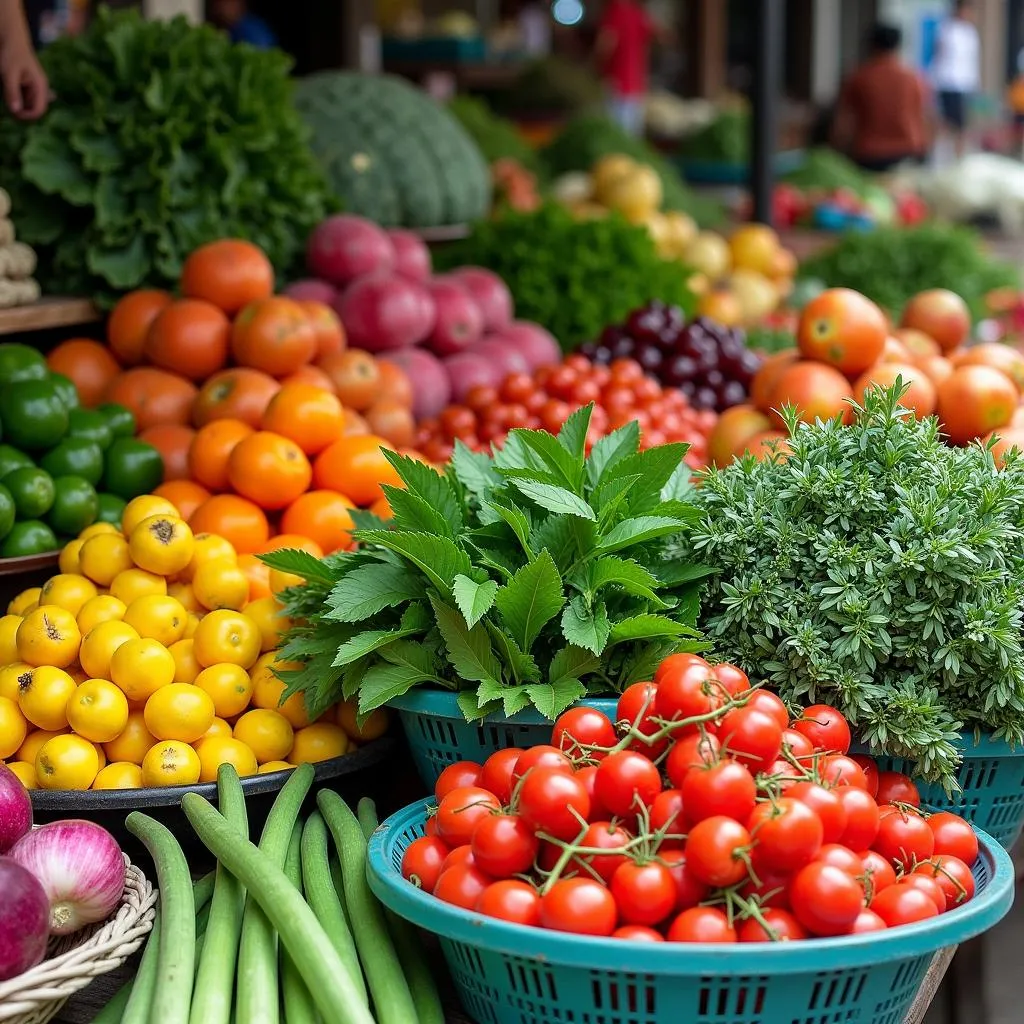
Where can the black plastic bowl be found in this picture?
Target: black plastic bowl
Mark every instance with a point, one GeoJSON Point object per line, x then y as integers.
{"type": "Point", "coordinates": [379, 770]}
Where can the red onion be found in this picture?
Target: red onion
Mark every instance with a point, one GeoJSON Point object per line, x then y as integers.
{"type": "Point", "coordinates": [24, 919]}
{"type": "Point", "coordinates": [81, 870]}
{"type": "Point", "coordinates": [15, 809]}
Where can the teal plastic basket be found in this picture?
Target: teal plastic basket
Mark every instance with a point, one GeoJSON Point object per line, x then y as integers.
{"type": "Point", "coordinates": [510, 974]}
{"type": "Point", "coordinates": [991, 779]}
{"type": "Point", "coordinates": [439, 734]}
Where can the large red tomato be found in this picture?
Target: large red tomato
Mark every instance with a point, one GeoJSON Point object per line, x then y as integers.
{"type": "Point", "coordinates": [735, 427]}
{"type": "Point", "coordinates": [998, 356]}
{"type": "Point", "coordinates": [817, 391]}
{"type": "Point", "coordinates": [920, 396]}
{"type": "Point", "coordinates": [843, 328]}
{"type": "Point", "coordinates": [941, 314]}
{"type": "Point", "coordinates": [767, 376]}
{"type": "Point", "coordinates": [974, 400]}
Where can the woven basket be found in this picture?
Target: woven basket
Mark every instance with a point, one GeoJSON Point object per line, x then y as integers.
{"type": "Point", "coordinates": [74, 960]}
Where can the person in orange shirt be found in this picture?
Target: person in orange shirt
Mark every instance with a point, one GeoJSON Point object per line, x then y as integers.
{"type": "Point", "coordinates": [25, 89]}
{"type": "Point", "coordinates": [882, 118]}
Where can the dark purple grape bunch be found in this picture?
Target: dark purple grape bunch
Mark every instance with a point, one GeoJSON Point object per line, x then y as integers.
{"type": "Point", "coordinates": [709, 362]}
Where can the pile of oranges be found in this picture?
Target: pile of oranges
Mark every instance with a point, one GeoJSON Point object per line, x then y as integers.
{"type": "Point", "coordinates": [149, 660]}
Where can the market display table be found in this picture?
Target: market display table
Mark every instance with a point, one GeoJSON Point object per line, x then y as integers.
{"type": "Point", "coordinates": [47, 314]}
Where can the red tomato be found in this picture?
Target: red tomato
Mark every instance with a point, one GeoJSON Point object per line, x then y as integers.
{"type": "Point", "coordinates": [840, 770]}
{"type": "Point", "coordinates": [460, 855]}
{"type": "Point", "coordinates": [626, 781]}
{"type": "Point", "coordinates": [867, 921]}
{"type": "Point", "coordinates": [542, 756]}
{"type": "Point", "coordinates": [588, 776]}
{"type": "Point", "coordinates": [702, 924]}
{"type": "Point", "coordinates": [929, 886]}
{"type": "Point", "coordinates": [798, 745]}
{"type": "Point", "coordinates": [734, 679]}
{"type": "Point", "coordinates": [604, 835]}
{"type": "Point", "coordinates": [510, 900]}
{"type": "Point", "coordinates": [497, 773]}
{"type": "Point", "coordinates": [715, 850]}
{"type": "Point", "coordinates": [690, 691]}
{"type": "Point", "coordinates": [952, 874]}
{"type": "Point", "coordinates": [878, 872]}
{"type": "Point", "coordinates": [689, 890]}
{"type": "Point", "coordinates": [554, 801]}
{"type": "Point", "coordinates": [861, 817]}
{"type": "Point", "coordinates": [637, 933]}
{"type": "Point", "coordinates": [904, 839]}
{"type": "Point", "coordinates": [841, 857]}
{"type": "Point", "coordinates": [457, 776]}
{"type": "Point", "coordinates": [825, 899]}
{"type": "Point", "coordinates": [826, 728]}
{"type": "Point", "coordinates": [777, 926]}
{"type": "Point", "coordinates": [787, 834]}
{"type": "Point", "coordinates": [579, 905]}
{"type": "Point", "coordinates": [504, 845]}
{"type": "Point", "coordinates": [826, 804]}
{"type": "Point", "coordinates": [636, 708]}
{"type": "Point", "coordinates": [645, 893]}
{"type": "Point", "coordinates": [676, 663]}
{"type": "Point", "coordinates": [750, 735]}
{"type": "Point", "coordinates": [581, 729]}
{"type": "Point", "coordinates": [903, 904]}
{"type": "Point", "coordinates": [954, 837]}
{"type": "Point", "coordinates": [430, 829]}
{"type": "Point", "coordinates": [766, 701]}
{"type": "Point", "coordinates": [461, 811]}
{"type": "Point", "coordinates": [461, 886]}
{"type": "Point", "coordinates": [667, 818]}
{"type": "Point", "coordinates": [726, 788]}
{"type": "Point", "coordinates": [422, 861]}
{"type": "Point", "coordinates": [698, 750]}
{"type": "Point", "coordinates": [771, 888]}
{"type": "Point", "coordinates": [870, 772]}
{"type": "Point", "coordinates": [897, 788]}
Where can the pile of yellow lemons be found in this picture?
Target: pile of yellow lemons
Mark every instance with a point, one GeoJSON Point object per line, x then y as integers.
{"type": "Point", "coordinates": [146, 662]}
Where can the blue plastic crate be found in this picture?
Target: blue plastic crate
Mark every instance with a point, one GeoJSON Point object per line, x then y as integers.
{"type": "Point", "coordinates": [991, 779]}
{"type": "Point", "coordinates": [510, 974]}
{"type": "Point", "coordinates": [439, 735]}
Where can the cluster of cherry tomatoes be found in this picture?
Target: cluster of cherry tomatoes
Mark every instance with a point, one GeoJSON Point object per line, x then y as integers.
{"type": "Point", "coordinates": [544, 400]}
{"type": "Point", "coordinates": [704, 814]}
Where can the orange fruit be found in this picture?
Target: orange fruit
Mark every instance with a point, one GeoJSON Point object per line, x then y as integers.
{"type": "Point", "coordinates": [172, 441]}
{"type": "Point", "coordinates": [356, 376]}
{"type": "Point", "coordinates": [310, 416]}
{"type": "Point", "coordinates": [817, 390]}
{"type": "Point", "coordinates": [266, 613]}
{"type": "Point", "coordinates": [355, 425]}
{"type": "Point", "coordinates": [153, 396]}
{"type": "Point", "coordinates": [268, 690]}
{"type": "Point", "coordinates": [89, 366]}
{"type": "Point", "coordinates": [130, 321]}
{"type": "Point", "coordinates": [185, 495]}
{"type": "Point", "coordinates": [843, 328]}
{"type": "Point", "coordinates": [327, 327]}
{"type": "Point", "coordinates": [214, 751]}
{"type": "Point", "coordinates": [211, 449]}
{"type": "Point", "coordinates": [318, 742]}
{"type": "Point", "coordinates": [972, 401]}
{"type": "Point", "coordinates": [394, 384]}
{"type": "Point", "coordinates": [273, 335]}
{"type": "Point", "coordinates": [189, 337]}
{"type": "Point", "coordinates": [230, 273]}
{"type": "Point", "coordinates": [392, 420]}
{"type": "Point", "coordinates": [310, 374]}
{"type": "Point", "coordinates": [257, 574]}
{"type": "Point", "coordinates": [238, 393]}
{"type": "Point", "coordinates": [236, 519]}
{"type": "Point", "coordinates": [323, 516]}
{"type": "Point", "coordinates": [219, 583]}
{"type": "Point", "coordinates": [133, 742]}
{"type": "Point", "coordinates": [269, 469]}
{"type": "Point", "coordinates": [228, 686]}
{"type": "Point", "coordinates": [355, 466]}
{"type": "Point", "coordinates": [226, 636]}
{"type": "Point", "coordinates": [294, 540]}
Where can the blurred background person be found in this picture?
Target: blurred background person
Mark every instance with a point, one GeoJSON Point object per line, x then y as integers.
{"type": "Point", "coordinates": [241, 24]}
{"type": "Point", "coordinates": [26, 91]}
{"type": "Point", "coordinates": [956, 72]}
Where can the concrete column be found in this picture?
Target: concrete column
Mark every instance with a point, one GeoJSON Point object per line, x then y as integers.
{"type": "Point", "coordinates": [826, 50]}
{"type": "Point", "coordinates": [166, 9]}
{"type": "Point", "coordinates": [712, 32]}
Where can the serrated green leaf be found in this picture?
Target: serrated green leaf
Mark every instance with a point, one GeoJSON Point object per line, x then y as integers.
{"type": "Point", "coordinates": [413, 654]}
{"type": "Point", "coordinates": [679, 485]}
{"type": "Point", "coordinates": [367, 642]}
{"type": "Point", "coordinates": [555, 499]}
{"type": "Point", "coordinates": [612, 449]}
{"type": "Point", "coordinates": [363, 519]}
{"type": "Point", "coordinates": [299, 563]}
{"type": "Point", "coordinates": [558, 535]}
{"type": "Point", "coordinates": [384, 682]}
{"type": "Point", "coordinates": [474, 599]}
{"type": "Point", "coordinates": [637, 530]}
{"type": "Point", "coordinates": [515, 699]}
{"type": "Point", "coordinates": [439, 558]}
{"type": "Point", "coordinates": [473, 470]}
{"type": "Point", "coordinates": [430, 486]}
{"type": "Point", "coordinates": [648, 627]}
{"type": "Point", "coordinates": [517, 519]}
{"type": "Point", "coordinates": [572, 663]}
{"type": "Point", "coordinates": [609, 495]}
{"type": "Point", "coordinates": [686, 513]}
{"type": "Point", "coordinates": [586, 627]}
{"type": "Point", "coordinates": [654, 466]}
{"type": "Point", "coordinates": [532, 598]}
{"type": "Point", "coordinates": [352, 678]}
{"type": "Point", "coordinates": [367, 590]}
{"type": "Point", "coordinates": [468, 650]}
{"type": "Point", "coordinates": [631, 576]}
{"type": "Point", "coordinates": [471, 710]}
{"type": "Point", "coordinates": [674, 572]}
{"type": "Point", "coordinates": [523, 667]}
{"type": "Point", "coordinates": [573, 437]}
{"type": "Point", "coordinates": [552, 456]}
{"type": "Point", "coordinates": [551, 699]}
{"type": "Point", "coordinates": [413, 513]}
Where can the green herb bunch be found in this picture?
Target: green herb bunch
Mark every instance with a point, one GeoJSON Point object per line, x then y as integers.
{"type": "Point", "coordinates": [878, 570]}
{"type": "Point", "coordinates": [527, 578]}
{"type": "Point", "coordinates": [573, 276]}
{"type": "Point", "coordinates": [165, 136]}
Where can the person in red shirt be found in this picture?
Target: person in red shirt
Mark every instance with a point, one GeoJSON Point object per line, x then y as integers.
{"type": "Point", "coordinates": [623, 53]}
{"type": "Point", "coordinates": [882, 118]}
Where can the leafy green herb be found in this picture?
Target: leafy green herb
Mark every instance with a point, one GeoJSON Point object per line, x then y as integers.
{"type": "Point", "coordinates": [527, 578]}
{"type": "Point", "coordinates": [166, 136]}
{"type": "Point", "coordinates": [879, 570]}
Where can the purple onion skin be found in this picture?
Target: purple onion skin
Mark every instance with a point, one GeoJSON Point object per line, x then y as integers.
{"type": "Point", "coordinates": [24, 919]}
{"type": "Point", "coordinates": [15, 809]}
{"type": "Point", "coordinates": [80, 867]}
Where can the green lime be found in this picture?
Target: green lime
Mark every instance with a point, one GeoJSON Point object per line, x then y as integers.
{"type": "Point", "coordinates": [90, 425]}
{"type": "Point", "coordinates": [132, 468]}
{"type": "Point", "coordinates": [74, 505]}
{"type": "Point", "coordinates": [120, 420]}
{"type": "Point", "coordinates": [11, 458]}
{"type": "Point", "coordinates": [34, 414]}
{"type": "Point", "coordinates": [32, 491]}
{"type": "Point", "coordinates": [66, 389]}
{"type": "Point", "coordinates": [110, 509]}
{"type": "Point", "coordinates": [19, 362]}
{"type": "Point", "coordinates": [76, 457]}
{"type": "Point", "coordinates": [29, 537]}
{"type": "Point", "coordinates": [7, 511]}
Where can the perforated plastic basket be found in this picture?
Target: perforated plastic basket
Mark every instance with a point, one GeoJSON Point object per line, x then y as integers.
{"type": "Point", "coordinates": [991, 780]}
{"type": "Point", "coordinates": [510, 974]}
{"type": "Point", "coordinates": [439, 734]}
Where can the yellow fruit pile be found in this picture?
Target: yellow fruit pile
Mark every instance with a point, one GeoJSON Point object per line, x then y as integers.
{"type": "Point", "coordinates": [145, 663]}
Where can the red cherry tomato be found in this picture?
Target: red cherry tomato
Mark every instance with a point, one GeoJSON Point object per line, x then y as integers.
{"type": "Point", "coordinates": [777, 926]}
{"type": "Point", "coordinates": [929, 886]}
{"type": "Point", "coordinates": [581, 729]}
{"type": "Point", "coordinates": [626, 781]}
{"type": "Point", "coordinates": [497, 773]}
{"type": "Point", "coordinates": [637, 933]}
{"type": "Point", "coordinates": [954, 837]}
{"type": "Point", "coordinates": [839, 770]}
{"type": "Point", "coordinates": [952, 874]}
{"type": "Point", "coordinates": [604, 835]}
{"type": "Point", "coordinates": [867, 921]}
{"type": "Point", "coordinates": [588, 776]}
{"type": "Point", "coordinates": [422, 861]}
{"type": "Point", "coordinates": [897, 788]}
{"type": "Point", "coordinates": [841, 857]}
{"type": "Point", "coordinates": [504, 845]}
{"type": "Point", "coordinates": [903, 904]}
{"type": "Point", "coordinates": [768, 702]}
{"type": "Point", "coordinates": [636, 708]}
{"type": "Point", "coordinates": [826, 804]}
{"type": "Point", "coordinates": [702, 924]}
{"type": "Point", "coordinates": [726, 788]}
{"type": "Point", "coordinates": [457, 776]}
{"type": "Point", "coordinates": [750, 735]}
{"type": "Point", "coordinates": [771, 888]}
{"type": "Point", "coordinates": [797, 744]}
{"type": "Point", "coordinates": [698, 750]}
{"type": "Point", "coordinates": [667, 817]}
{"type": "Point", "coordinates": [691, 691]}
{"type": "Point", "coordinates": [787, 834]}
{"type": "Point", "coordinates": [878, 872]}
{"type": "Point", "coordinates": [554, 801]}
{"type": "Point", "coordinates": [715, 851]}
{"type": "Point", "coordinates": [826, 728]}
{"type": "Point", "coordinates": [542, 756]}
{"type": "Point", "coordinates": [689, 890]}
{"type": "Point", "coordinates": [430, 829]}
{"type": "Point", "coordinates": [825, 899]}
{"type": "Point", "coordinates": [870, 772]}
{"type": "Point", "coordinates": [582, 906]}
{"type": "Point", "coordinates": [510, 900]}
{"type": "Point", "coordinates": [734, 679]}
{"type": "Point", "coordinates": [461, 811]}
{"type": "Point", "coordinates": [676, 663]}
{"type": "Point", "coordinates": [461, 885]}
{"type": "Point", "coordinates": [645, 893]}
{"type": "Point", "coordinates": [904, 839]}
{"type": "Point", "coordinates": [861, 817]}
